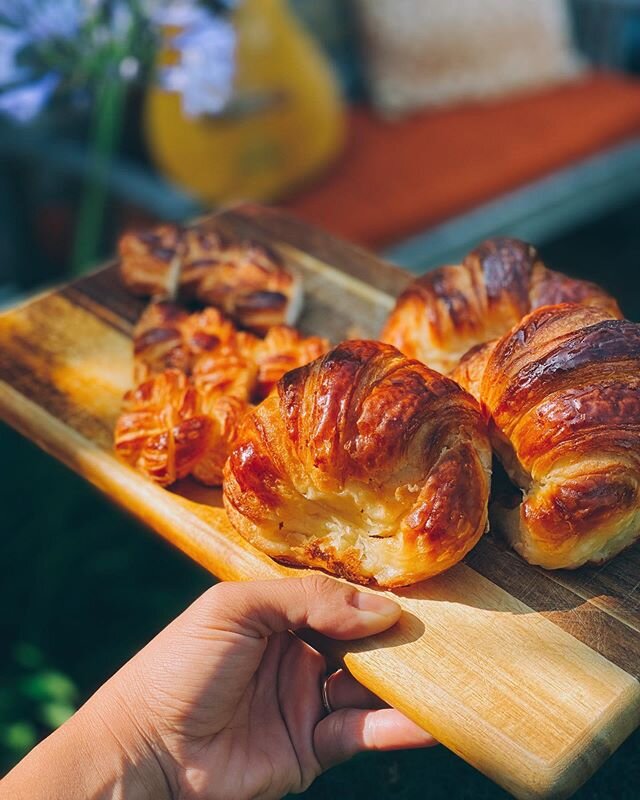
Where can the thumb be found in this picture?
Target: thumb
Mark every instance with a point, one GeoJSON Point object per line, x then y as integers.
{"type": "Point", "coordinates": [335, 609]}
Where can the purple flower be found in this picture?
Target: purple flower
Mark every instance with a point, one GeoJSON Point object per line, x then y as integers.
{"type": "Point", "coordinates": [40, 20]}
{"type": "Point", "coordinates": [25, 102]}
{"type": "Point", "coordinates": [11, 42]}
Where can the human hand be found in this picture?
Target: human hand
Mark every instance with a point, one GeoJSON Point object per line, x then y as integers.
{"type": "Point", "coordinates": [226, 701]}
{"type": "Point", "coordinates": [233, 698]}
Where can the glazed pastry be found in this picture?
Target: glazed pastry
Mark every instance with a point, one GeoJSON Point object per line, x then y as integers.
{"type": "Point", "coordinates": [168, 429]}
{"type": "Point", "coordinates": [451, 309]}
{"type": "Point", "coordinates": [244, 279]}
{"type": "Point", "coordinates": [229, 369]}
{"type": "Point", "coordinates": [150, 261]}
{"type": "Point", "coordinates": [284, 349]}
{"type": "Point", "coordinates": [225, 412]}
{"type": "Point", "coordinates": [158, 341]}
{"type": "Point", "coordinates": [364, 463]}
{"type": "Point", "coordinates": [563, 391]}
{"type": "Point", "coordinates": [166, 337]}
{"type": "Point", "coordinates": [170, 426]}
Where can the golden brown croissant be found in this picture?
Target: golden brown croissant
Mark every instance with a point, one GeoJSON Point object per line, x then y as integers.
{"type": "Point", "coordinates": [168, 429]}
{"type": "Point", "coordinates": [244, 279]}
{"type": "Point", "coordinates": [563, 390]}
{"type": "Point", "coordinates": [363, 463]}
{"type": "Point", "coordinates": [451, 309]}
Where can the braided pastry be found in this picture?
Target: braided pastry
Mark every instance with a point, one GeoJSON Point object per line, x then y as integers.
{"type": "Point", "coordinates": [563, 390]}
{"type": "Point", "coordinates": [244, 279]}
{"type": "Point", "coordinates": [230, 369]}
{"type": "Point", "coordinates": [449, 310]}
{"type": "Point", "coordinates": [166, 337]}
{"type": "Point", "coordinates": [281, 350]}
{"type": "Point", "coordinates": [168, 429]}
{"type": "Point", "coordinates": [364, 463]}
{"type": "Point", "coordinates": [223, 371]}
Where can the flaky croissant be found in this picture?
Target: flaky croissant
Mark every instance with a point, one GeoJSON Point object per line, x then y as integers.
{"type": "Point", "coordinates": [563, 391]}
{"type": "Point", "coordinates": [244, 279]}
{"type": "Point", "coordinates": [451, 309]}
{"type": "Point", "coordinates": [169, 429]}
{"type": "Point", "coordinates": [364, 463]}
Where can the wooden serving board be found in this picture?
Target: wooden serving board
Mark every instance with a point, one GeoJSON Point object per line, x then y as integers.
{"type": "Point", "coordinates": [531, 676]}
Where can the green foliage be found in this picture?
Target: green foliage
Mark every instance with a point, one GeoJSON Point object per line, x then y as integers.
{"type": "Point", "coordinates": [34, 700]}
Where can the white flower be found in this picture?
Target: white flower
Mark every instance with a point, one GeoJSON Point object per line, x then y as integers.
{"type": "Point", "coordinates": [204, 74]}
{"type": "Point", "coordinates": [181, 13]}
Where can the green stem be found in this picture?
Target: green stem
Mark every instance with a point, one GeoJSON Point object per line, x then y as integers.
{"type": "Point", "coordinates": [106, 128]}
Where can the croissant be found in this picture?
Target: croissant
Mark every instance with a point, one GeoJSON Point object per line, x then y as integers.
{"type": "Point", "coordinates": [364, 463]}
{"type": "Point", "coordinates": [563, 391]}
{"type": "Point", "coordinates": [168, 429]}
{"type": "Point", "coordinates": [451, 309]}
{"type": "Point", "coordinates": [244, 279]}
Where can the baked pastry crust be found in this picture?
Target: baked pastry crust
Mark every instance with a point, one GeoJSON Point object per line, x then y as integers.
{"type": "Point", "coordinates": [281, 350]}
{"type": "Point", "coordinates": [246, 280]}
{"type": "Point", "coordinates": [172, 426]}
{"type": "Point", "coordinates": [563, 391]}
{"type": "Point", "coordinates": [444, 313]}
{"type": "Point", "coordinates": [168, 429]}
{"type": "Point", "coordinates": [167, 337]}
{"type": "Point", "coordinates": [364, 463]}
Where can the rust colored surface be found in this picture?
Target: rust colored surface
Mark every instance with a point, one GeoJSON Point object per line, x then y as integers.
{"type": "Point", "coordinates": [397, 178]}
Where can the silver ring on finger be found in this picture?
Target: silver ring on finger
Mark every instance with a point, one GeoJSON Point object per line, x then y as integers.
{"type": "Point", "coordinates": [324, 694]}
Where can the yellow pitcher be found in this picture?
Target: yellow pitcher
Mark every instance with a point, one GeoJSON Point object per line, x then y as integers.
{"type": "Point", "coordinates": [284, 123]}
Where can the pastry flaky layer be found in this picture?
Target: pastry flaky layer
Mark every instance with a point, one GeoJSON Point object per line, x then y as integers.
{"type": "Point", "coordinates": [364, 463]}
{"type": "Point", "coordinates": [563, 391]}
{"type": "Point", "coordinates": [196, 375]}
{"type": "Point", "coordinates": [246, 280]}
{"type": "Point", "coordinates": [441, 315]}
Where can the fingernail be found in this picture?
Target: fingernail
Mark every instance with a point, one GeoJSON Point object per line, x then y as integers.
{"type": "Point", "coordinates": [375, 604]}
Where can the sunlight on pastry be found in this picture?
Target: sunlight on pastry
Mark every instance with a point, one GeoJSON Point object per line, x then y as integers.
{"type": "Point", "coordinates": [365, 464]}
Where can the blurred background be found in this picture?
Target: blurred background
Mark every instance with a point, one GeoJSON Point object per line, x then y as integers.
{"type": "Point", "coordinates": [415, 128]}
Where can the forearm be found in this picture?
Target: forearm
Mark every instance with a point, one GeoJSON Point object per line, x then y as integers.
{"type": "Point", "coordinates": [96, 754]}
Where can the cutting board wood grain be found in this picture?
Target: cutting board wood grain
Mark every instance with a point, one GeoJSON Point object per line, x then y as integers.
{"type": "Point", "coordinates": [531, 676]}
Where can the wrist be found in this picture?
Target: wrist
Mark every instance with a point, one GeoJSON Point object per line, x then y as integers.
{"type": "Point", "coordinates": [119, 727]}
